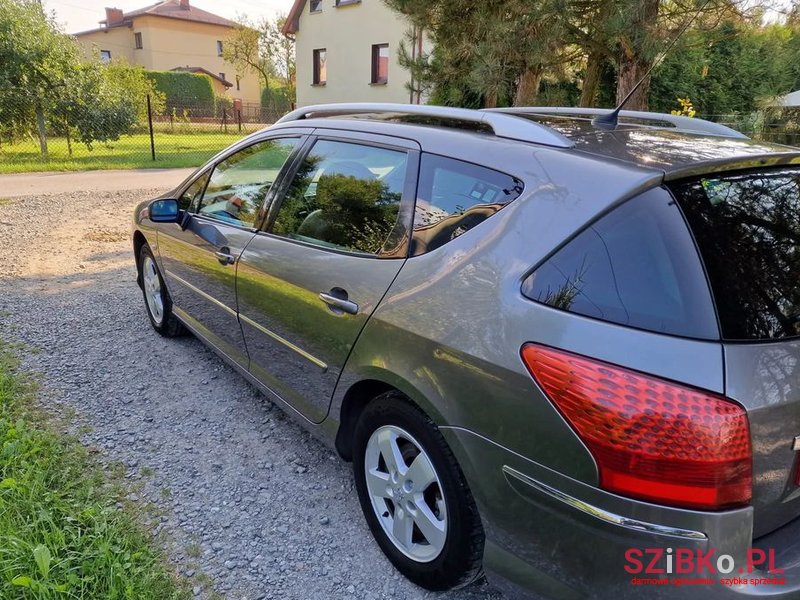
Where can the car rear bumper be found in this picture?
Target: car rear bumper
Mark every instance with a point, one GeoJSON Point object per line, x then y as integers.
{"type": "Point", "coordinates": [549, 535]}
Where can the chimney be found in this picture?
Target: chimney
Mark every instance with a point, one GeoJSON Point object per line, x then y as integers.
{"type": "Point", "coordinates": [185, 5]}
{"type": "Point", "coordinates": [113, 16]}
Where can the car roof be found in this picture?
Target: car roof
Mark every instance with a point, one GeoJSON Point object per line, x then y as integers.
{"type": "Point", "coordinates": [675, 146]}
{"type": "Point", "coordinates": [679, 153]}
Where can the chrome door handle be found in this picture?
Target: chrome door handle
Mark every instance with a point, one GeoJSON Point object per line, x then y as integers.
{"type": "Point", "coordinates": [339, 304]}
{"type": "Point", "coordinates": [225, 258]}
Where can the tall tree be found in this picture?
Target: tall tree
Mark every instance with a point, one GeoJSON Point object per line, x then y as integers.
{"type": "Point", "coordinates": [35, 59]}
{"type": "Point", "coordinates": [260, 47]}
{"type": "Point", "coordinates": [500, 49]}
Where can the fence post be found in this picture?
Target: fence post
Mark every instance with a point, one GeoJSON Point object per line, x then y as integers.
{"type": "Point", "coordinates": [239, 119]}
{"type": "Point", "coordinates": [225, 119]}
{"type": "Point", "coordinates": [150, 124]}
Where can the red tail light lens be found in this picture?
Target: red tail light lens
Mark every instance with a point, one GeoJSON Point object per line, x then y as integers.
{"type": "Point", "coordinates": [652, 439]}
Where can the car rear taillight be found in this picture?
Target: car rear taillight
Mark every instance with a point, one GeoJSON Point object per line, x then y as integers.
{"type": "Point", "coordinates": [652, 439]}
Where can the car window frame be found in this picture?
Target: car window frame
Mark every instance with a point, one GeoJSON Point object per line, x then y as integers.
{"type": "Point", "coordinates": [300, 134]}
{"type": "Point", "coordinates": [407, 201]}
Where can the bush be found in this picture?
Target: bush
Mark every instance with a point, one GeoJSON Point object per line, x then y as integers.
{"type": "Point", "coordinates": [277, 98]}
{"type": "Point", "coordinates": [181, 88]}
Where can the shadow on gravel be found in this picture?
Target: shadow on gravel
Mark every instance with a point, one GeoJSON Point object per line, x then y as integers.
{"type": "Point", "coordinates": [250, 498]}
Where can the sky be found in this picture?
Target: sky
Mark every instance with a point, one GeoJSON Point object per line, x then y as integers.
{"type": "Point", "coordinates": [79, 15]}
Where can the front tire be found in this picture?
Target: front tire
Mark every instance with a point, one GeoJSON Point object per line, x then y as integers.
{"type": "Point", "coordinates": [414, 496]}
{"type": "Point", "coordinates": [156, 297]}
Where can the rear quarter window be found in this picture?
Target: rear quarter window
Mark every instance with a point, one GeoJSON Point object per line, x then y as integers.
{"type": "Point", "coordinates": [455, 196]}
{"type": "Point", "coordinates": [637, 266]}
{"type": "Point", "coordinates": [747, 228]}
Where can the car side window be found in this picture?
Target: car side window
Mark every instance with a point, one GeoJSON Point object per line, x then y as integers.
{"type": "Point", "coordinates": [637, 266]}
{"type": "Point", "coordinates": [347, 196]}
{"type": "Point", "coordinates": [239, 184]}
{"type": "Point", "coordinates": [191, 195]}
{"type": "Point", "coordinates": [455, 196]}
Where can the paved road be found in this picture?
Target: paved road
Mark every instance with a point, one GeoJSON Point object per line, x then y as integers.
{"type": "Point", "coordinates": [248, 498]}
{"type": "Point", "coordinates": [40, 184]}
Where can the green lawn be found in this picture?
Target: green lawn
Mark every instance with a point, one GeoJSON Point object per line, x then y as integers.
{"type": "Point", "coordinates": [62, 534]}
{"type": "Point", "coordinates": [129, 152]}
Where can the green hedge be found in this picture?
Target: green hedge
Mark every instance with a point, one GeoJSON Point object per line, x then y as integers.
{"type": "Point", "coordinates": [277, 98]}
{"type": "Point", "coordinates": [181, 88]}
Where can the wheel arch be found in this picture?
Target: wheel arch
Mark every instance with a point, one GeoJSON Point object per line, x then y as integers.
{"type": "Point", "coordinates": [360, 391]}
{"type": "Point", "coordinates": [138, 241]}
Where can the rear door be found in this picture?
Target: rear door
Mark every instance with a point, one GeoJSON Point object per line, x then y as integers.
{"type": "Point", "coordinates": [747, 227]}
{"type": "Point", "coordinates": [200, 259]}
{"type": "Point", "coordinates": [336, 239]}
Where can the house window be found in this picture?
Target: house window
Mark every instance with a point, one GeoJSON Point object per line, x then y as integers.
{"type": "Point", "coordinates": [105, 55]}
{"type": "Point", "coordinates": [237, 84]}
{"type": "Point", "coordinates": [320, 66]}
{"type": "Point", "coordinates": [346, 2]}
{"type": "Point", "coordinates": [315, 6]}
{"type": "Point", "coordinates": [137, 38]}
{"type": "Point", "coordinates": [380, 64]}
{"type": "Point", "coordinates": [219, 47]}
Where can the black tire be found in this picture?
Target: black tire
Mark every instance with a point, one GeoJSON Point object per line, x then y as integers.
{"type": "Point", "coordinates": [167, 325]}
{"type": "Point", "coordinates": [460, 561]}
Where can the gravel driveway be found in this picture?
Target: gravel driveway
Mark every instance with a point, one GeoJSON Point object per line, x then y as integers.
{"type": "Point", "coordinates": [251, 505]}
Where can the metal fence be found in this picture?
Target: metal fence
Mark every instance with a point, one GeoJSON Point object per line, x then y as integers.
{"type": "Point", "coordinates": [183, 134]}
{"type": "Point", "coordinates": [180, 134]}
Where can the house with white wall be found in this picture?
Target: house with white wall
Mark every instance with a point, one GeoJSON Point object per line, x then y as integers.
{"type": "Point", "coordinates": [348, 51]}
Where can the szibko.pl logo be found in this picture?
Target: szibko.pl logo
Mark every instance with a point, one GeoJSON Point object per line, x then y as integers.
{"type": "Point", "coordinates": [658, 566]}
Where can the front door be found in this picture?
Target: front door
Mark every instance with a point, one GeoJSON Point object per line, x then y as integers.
{"type": "Point", "coordinates": [336, 240]}
{"type": "Point", "coordinates": [200, 260]}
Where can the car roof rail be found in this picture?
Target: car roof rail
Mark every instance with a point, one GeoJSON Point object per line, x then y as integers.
{"type": "Point", "coordinates": [688, 124]}
{"type": "Point", "coordinates": [507, 126]}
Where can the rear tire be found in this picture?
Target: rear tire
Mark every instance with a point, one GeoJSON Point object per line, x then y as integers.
{"type": "Point", "coordinates": [414, 496]}
{"type": "Point", "coordinates": [156, 297]}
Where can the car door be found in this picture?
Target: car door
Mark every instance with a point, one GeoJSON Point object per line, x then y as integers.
{"type": "Point", "coordinates": [336, 237]}
{"type": "Point", "coordinates": [199, 257]}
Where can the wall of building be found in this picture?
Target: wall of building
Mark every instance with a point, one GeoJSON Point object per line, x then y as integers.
{"type": "Point", "coordinates": [170, 43]}
{"type": "Point", "coordinates": [348, 33]}
{"type": "Point", "coordinates": [118, 41]}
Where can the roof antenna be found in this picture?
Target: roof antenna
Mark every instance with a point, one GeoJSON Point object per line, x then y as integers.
{"type": "Point", "coordinates": [610, 120]}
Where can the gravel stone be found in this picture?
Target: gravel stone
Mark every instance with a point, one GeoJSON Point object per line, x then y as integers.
{"type": "Point", "coordinates": [225, 468]}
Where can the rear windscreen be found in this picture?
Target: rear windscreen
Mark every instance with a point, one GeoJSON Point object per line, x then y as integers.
{"type": "Point", "coordinates": [747, 227]}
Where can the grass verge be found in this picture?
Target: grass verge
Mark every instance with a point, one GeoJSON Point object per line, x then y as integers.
{"type": "Point", "coordinates": [63, 533]}
{"type": "Point", "coordinates": [173, 150]}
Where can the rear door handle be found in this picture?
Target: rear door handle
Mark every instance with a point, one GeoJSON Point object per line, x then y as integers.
{"type": "Point", "coordinates": [224, 258]}
{"type": "Point", "coordinates": [342, 305]}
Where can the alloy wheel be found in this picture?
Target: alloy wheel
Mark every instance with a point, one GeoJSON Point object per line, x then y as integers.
{"type": "Point", "coordinates": [406, 493]}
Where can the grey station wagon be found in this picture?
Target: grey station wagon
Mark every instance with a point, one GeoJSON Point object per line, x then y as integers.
{"type": "Point", "coordinates": [562, 355]}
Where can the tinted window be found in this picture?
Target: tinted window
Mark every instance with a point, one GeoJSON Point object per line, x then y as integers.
{"type": "Point", "coordinates": [454, 197]}
{"type": "Point", "coordinates": [748, 230]}
{"type": "Point", "coordinates": [239, 184]}
{"type": "Point", "coordinates": [347, 196]}
{"type": "Point", "coordinates": [636, 266]}
{"type": "Point", "coordinates": [191, 195]}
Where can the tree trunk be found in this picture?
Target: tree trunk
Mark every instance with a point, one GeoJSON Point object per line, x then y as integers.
{"type": "Point", "coordinates": [528, 87]}
{"type": "Point", "coordinates": [631, 70]}
{"type": "Point", "coordinates": [591, 81]}
{"type": "Point", "coordinates": [40, 128]}
{"type": "Point", "coordinates": [490, 99]}
{"type": "Point", "coordinates": [632, 63]}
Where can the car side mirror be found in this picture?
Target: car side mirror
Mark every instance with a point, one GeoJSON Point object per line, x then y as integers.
{"type": "Point", "coordinates": [164, 211]}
